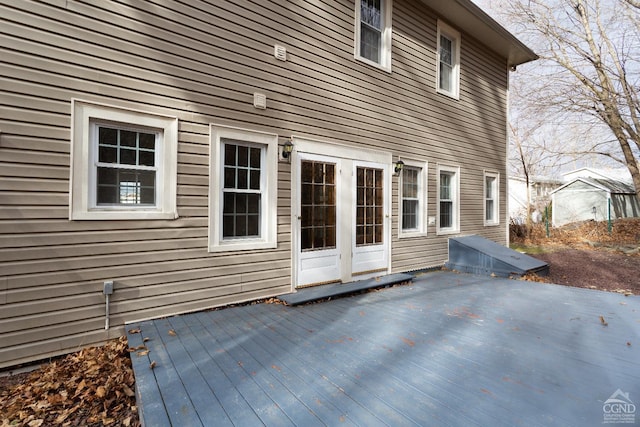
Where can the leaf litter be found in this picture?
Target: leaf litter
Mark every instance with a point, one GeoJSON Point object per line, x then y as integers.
{"type": "Point", "coordinates": [92, 387]}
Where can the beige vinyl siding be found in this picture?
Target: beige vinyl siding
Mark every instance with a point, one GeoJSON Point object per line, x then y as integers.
{"type": "Point", "coordinates": [202, 62]}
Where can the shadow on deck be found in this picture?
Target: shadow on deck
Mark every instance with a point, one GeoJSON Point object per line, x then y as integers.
{"type": "Point", "coordinates": [447, 349]}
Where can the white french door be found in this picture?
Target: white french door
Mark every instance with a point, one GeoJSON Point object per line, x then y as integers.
{"type": "Point", "coordinates": [318, 227]}
{"type": "Point", "coordinates": [370, 237]}
{"type": "Point", "coordinates": [341, 225]}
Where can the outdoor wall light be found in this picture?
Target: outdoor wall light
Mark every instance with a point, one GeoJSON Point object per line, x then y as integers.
{"type": "Point", "coordinates": [287, 148]}
{"type": "Point", "coordinates": [399, 166]}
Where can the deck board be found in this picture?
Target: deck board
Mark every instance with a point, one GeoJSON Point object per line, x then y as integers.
{"type": "Point", "coordinates": [447, 349]}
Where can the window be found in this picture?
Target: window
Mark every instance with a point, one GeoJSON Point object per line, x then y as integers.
{"type": "Point", "coordinates": [369, 206]}
{"type": "Point", "coordinates": [448, 203]}
{"type": "Point", "coordinates": [242, 199]}
{"type": "Point", "coordinates": [373, 32]}
{"type": "Point", "coordinates": [124, 163]}
{"type": "Point", "coordinates": [448, 52]}
{"type": "Point", "coordinates": [412, 199]}
{"type": "Point", "coordinates": [491, 199]}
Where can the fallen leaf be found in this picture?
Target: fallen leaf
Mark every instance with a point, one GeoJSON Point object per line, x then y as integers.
{"type": "Point", "coordinates": [142, 353]}
{"type": "Point", "coordinates": [172, 332]}
{"type": "Point", "coordinates": [134, 331]}
{"type": "Point", "coordinates": [101, 391]}
{"type": "Point", "coordinates": [604, 322]}
{"type": "Point", "coordinates": [629, 343]}
{"type": "Point", "coordinates": [145, 339]}
{"type": "Point", "coordinates": [128, 390]}
{"type": "Point", "coordinates": [152, 364]}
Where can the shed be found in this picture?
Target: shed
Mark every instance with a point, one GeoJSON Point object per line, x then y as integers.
{"type": "Point", "coordinates": [595, 199]}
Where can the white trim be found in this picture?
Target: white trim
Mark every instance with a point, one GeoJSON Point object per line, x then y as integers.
{"type": "Point", "coordinates": [385, 48]}
{"type": "Point", "coordinates": [421, 230]}
{"type": "Point", "coordinates": [496, 198]}
{"type": "Point", "coordinates": [454, 36]}
{"type": "Point", "coordinates": [82, 176]}
{"type": "Point", "coordinates": [269, 220]}
{"type": "Point", "coordinates": [455, 171]}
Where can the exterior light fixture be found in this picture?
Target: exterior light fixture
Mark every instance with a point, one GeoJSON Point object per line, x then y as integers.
{"type": "Point", "coordinates": [399, 166]}
{"type": "Point", "coordinates": [287, 148]}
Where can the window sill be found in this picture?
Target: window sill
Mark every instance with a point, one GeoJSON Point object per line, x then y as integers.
{"type": "Point", "coordinates": [444, 232]}
{"type": "Point", "coordinates": [374, 64]}
{"type": "Point", "coordinates": [449, 94]}
{"type": "Point", "coordinates": [411, 234]}
{"type": "Point", "coordinates": [123, 215]}
{"type": "Point", "coordinates": [243, 245]}
{"type": "Point", "coordinates": [491, 224]}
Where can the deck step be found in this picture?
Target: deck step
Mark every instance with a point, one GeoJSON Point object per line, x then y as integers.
{"type": "Point", "coordinates": [315, 293]}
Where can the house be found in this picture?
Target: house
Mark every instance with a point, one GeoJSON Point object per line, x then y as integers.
{"type": "Point", "coordinates": [618, 174]}
{"type": "Point", "coordinates": [539, 196]}
{"type": "Point", "coordinates": [595, 199]}
{"type": "Point", "coordinates": [166, 157]}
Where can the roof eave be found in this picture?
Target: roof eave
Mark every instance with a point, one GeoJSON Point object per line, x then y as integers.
{"type": "Point", "coordinates": [468, 17]}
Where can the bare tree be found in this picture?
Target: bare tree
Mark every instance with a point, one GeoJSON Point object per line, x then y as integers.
{"type": "Point", "coordinates": [589, 70]}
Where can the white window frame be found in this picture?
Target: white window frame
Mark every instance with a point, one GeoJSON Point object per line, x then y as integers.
{"type": "Point", "coordinates": [453, 35]}
{"type": "Point", "coordinates": [269, 187]}
{"type": "Point", "coordinates": [85, 115]}
{"type": "Point", "coordinates": [455, 172]}
{"type": "Point", "coordinates": [496, 198]}
{"type": "Point", "coordinates": [421, 229]}
{"type": "Point", "coordinates": [385, 48]}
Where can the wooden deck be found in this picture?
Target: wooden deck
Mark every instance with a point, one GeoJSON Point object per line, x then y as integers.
{"type": "Point", "coordinates": [447, 349]}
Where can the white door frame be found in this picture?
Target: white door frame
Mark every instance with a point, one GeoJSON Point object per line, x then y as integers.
{"type": "Point", "coordinates": [349, 157]}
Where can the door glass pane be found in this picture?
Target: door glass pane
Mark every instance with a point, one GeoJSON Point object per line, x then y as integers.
{"type": "Point", "coordinates": [370, 206]}
{"type": "Point", "coordinates": [317, 205]}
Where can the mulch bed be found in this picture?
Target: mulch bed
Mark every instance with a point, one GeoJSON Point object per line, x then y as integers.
{"type": "Point", "coordinates": [606, 270]}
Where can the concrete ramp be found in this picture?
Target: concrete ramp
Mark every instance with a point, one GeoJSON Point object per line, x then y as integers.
{"type": "Point", "coordinates": [477, 255]}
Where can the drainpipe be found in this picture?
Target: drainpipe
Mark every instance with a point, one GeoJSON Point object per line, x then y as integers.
{"type": "Point", "coordinates": [107, 290]}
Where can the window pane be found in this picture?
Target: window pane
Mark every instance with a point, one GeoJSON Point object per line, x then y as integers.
{"type": "Point", "coordinates": [445, 186]}
{"type": "Point", "coordinates": [128, 138]}
{"type": "Point", "coordinates": [147, 141]}
{"type": "Point", "coordinates": [227, 226]}
{"type": "Point", "coordinates": [489, 187]}
{"type": "Point", "coordinates": [446, 50]}
{"type": "Point", "coordinates": [243, 178]}
{"type": "Point", "coordinates": [127, 156]}
{"type": "Point", "coordinates": [255, 158]}
{"type": "Point", "coordinates": [318, 208]}
{"type": "Point", "coordinates": [107, 136]}
{"type": "Point", "coordinates": [228, 203]}
{"type": "Point", "coordinates": [230, 155]}
{"type": "Point", "coordinates": [445, 77]}
{"type": "Point", "coordinates": [146, 158]}
{"type": "Point", "coordinates": [243, 155]}
{"type": "Point", "coordinates": [253, 225]}
{"type": "Point", "coordinates": [241, 226]}
{"type": "Point", "coordinates": [489, 210]}
{"type": "Point", "coordinates": [370, 11]}
{"type": "Point", "coordinates": [229, 177]}
{"type": "Point", "coordinates": [370, 40]}
{"type": "Point", "coordinates": [253, 203]}
{"type": "Point", "coordinates": [409, 214]}
{"type": "Point", "coordinates": [446, 214]}
{"type": "Point", "coordinates": [108, 154]}
{"type": "Point", "coordinates": [369, 209]}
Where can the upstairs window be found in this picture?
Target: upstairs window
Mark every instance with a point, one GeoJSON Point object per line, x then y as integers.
{"type": "Point", "coordinates": [373, 32]}
{"type": "Point", "coordinates": [448, 71]}
{"type": "Point", "coordinates": [491, 199]}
